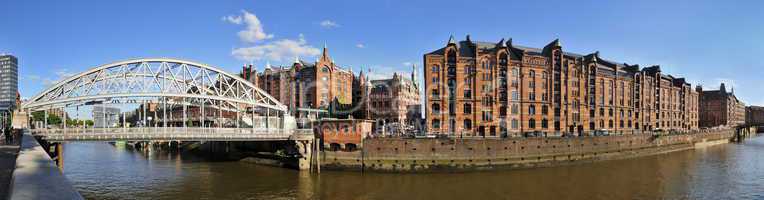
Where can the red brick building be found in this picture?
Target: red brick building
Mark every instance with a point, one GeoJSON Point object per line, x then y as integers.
{"type": "Point", "coordinates": [497, 89]}
{"type": "Point", "coordinates": [392, 103]}
{"type": "Point", "coordinates": [754, 115]}
{"type": "Point", "coordinates": [305, 85]}
{"type": "Point", "coordinates": [343, 134]}
{"type": "Point", "coordinates": [720, 108]}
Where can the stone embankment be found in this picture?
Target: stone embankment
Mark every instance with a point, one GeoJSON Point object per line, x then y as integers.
{"type": "Point", "coordinates": [408, 155]}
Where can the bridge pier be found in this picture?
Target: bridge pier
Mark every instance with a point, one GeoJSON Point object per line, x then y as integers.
{"type": "Point", "coordinates": [305, 148]}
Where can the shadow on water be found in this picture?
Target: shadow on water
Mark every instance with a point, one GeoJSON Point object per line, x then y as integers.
{"type": "Point", "coordinates": [103, 171]}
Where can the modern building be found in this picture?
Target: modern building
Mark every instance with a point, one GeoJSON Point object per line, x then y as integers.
{"type": "Point", "coordinates": [720, 108]}
{"type": "Point", "coordinates": [104, 116]}
{"type": "Point", "coordinates": [9, 80]}
{"type": "Point", "coordinates": [754, 115]}
{"type": "Point", "coordinates": [305, 85]}
{"type": "Point", "coordinates": [394, 104]}
{"type": "Point", "coordinates": [494, 89]}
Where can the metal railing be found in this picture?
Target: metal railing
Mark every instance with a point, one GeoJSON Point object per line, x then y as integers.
{"type": "Point", "coordinates": [170, 133]}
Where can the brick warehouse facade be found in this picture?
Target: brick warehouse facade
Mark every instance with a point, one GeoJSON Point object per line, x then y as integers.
{"type": "Point", "coordinates": [392, 103]}
{"type": "Point", "coordinates": [754, 115]}
{"type": "Point", "coordinates": [501, 89]}
{"type": "Point", "coordinates": [720, 108]}
{"type": "Point", "coordinates": [305, 85]}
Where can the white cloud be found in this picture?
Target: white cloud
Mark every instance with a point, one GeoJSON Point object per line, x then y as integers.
{"type": "Point", "coordinates": [64, 74]}
{"type": "Point", "coordinates": [254, 31]}
{"type": "Point", "coordinates": [47, 81]}
{"type": "Point", "coordinates": [279, 50]}
{"type": "Point", "coordinates": [359, 45]}
{"type": "Point", "coordinates": [407, 64]}
{"type": "Point", "coordinates": [329, 24]}
{"type": "Point", "coordinates": [232, 19]}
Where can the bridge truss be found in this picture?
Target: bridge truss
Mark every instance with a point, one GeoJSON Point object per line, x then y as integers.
{"type": "Point", "coordinates": [165, 99]}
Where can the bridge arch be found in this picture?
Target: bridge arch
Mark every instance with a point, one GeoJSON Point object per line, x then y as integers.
{"type": "Point", "coordinates": [153, 77]}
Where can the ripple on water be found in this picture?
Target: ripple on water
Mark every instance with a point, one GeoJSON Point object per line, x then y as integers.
{"type": "Point", "coordinates": [102, 171]}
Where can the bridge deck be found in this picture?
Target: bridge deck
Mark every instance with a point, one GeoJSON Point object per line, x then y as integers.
{"type": "Point", "coordinates": [172, 134]}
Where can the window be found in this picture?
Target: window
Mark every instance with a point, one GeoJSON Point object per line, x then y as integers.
{"type": "Point", "coordinates": [487, 116]}
{"type": "Point", "coordinates": [435, 68]}
{"type": "Point", "coordinates": [532, 96]}
{"type": "Point", "coordinates": [467, 108]}
{"type": "Point", "coordinates": [544, 123]}
{"type": "Point", "coordinates": [514, 109]}
{"type": "Point", "coordinates": [610, 124]}
{"type": "Point", "coordinates": [610, 112]}
{"type": "Point", "coordinates": [325, 69]}
{"type": "Point", "coordinates": [435, 123]}
{"type": "Point", "coordinates": [531, 110]}
{"type": "Point", "coordinates": [544, 109]}
{"type": "Point", "coordinates": [468, 124]}
{"type": "Point", "coordinates": [436, 108]}
{"type": "Point", "coordinates": [515, 124]}
{"type": "Point", "coordinates": [515, 95]}
{"type": "Point", "coordinates": [531, 123]}
{"type": "Point", "coordinates": [515, 72]}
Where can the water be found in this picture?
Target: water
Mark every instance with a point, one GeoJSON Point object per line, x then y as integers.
{"type": "Point", "coordinates": [729, 171]}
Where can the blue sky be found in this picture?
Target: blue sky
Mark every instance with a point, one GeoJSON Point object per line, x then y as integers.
{"type": "Point", "coordinates": [705, 41]}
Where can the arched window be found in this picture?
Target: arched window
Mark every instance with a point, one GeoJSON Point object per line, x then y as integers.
{"type": "Point", "coordinates": [435, 68]}
{"type": "Point", "coordinates": [325, 69]}
{"type": "Point", "coordinates": [436, 108]}
{"type": "Point", "coordinates": [544, 109]}
{"type": "Point", "coordinates": [451, 57]}
{"type": "Point", "coordinates": [467, 108]}
{"type": "Point", "coordinates": [503, 59]}
{"type": "Point", "coordinates": [515, 72]}
{"type": "Point", "coordinates": [544, 123]}
{"type": "Point", "coordinates": [531, 123]}
{"type": "Point", "coordinates": [531, 110]}
{"type": "Point", "coordinates": [610, 124]}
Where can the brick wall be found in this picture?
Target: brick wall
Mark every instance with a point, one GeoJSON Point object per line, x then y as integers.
{"type": "Point", "coordinates": [387, 154]}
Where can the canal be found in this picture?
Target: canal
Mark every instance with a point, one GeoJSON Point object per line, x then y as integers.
{"type": "Point", "coordinates": [729, 171]}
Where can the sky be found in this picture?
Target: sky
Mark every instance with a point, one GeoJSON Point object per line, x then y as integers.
{"type": "Point", "coordinates": [707, 42]}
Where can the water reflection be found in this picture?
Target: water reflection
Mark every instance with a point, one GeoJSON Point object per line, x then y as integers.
{"type": "Point", "coordinates": [103, 171]}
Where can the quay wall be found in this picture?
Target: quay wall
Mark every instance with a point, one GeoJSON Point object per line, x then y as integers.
{"type": "Point", "coordinates": [454, 154]}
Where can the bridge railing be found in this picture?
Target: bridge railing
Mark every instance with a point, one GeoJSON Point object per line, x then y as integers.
{"type": "Point", "coordinates": [169, 133]}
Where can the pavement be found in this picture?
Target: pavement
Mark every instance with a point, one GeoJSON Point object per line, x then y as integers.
{"type": "Point", "coordinates": [8, 153]}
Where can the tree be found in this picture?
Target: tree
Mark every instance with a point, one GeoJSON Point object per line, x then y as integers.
{"type": "Point", "coordinates": [89, 122]}
{"type": "Point", "coordinates": [40, 116]}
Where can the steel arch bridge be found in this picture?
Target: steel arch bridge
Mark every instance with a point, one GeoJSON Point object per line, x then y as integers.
{"type": "Point", "coordinates": [163, 82]}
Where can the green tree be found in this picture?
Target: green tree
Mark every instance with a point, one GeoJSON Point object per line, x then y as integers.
{"type": "Point", "coordinates": [89, 122]}
{"type": "Point", "coordinates": [40, 116]}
